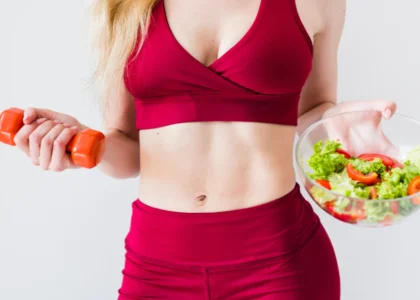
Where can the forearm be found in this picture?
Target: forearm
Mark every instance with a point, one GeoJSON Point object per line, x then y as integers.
{"type": "Point", "coordinates": [310, 117]}
{"type": "Point", "coordinates": [121, 158]}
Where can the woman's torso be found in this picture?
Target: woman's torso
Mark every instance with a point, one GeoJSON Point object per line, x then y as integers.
{"type": "Point", "coordinates": [217, 166]}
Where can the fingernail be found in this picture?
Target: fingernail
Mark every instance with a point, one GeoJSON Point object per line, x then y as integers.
{"type": "Point", "coordinates": [74, 128]}
{"type": "Point", "coordinates": [387, 113]}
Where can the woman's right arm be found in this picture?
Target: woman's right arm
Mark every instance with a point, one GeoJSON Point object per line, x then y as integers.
{"type": "Point", "coordinates": [122, 155]}
{"type": "Point", "coordinates": [46, 133]}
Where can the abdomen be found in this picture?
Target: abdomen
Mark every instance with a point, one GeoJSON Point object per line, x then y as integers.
{"type": "Point", "coordinates": [215, 166]}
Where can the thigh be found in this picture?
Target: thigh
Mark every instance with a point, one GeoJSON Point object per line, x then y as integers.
{"type": "Point", "coordinates": [150, 279]}
{"type": "Point", "coordinates": [309, 274]}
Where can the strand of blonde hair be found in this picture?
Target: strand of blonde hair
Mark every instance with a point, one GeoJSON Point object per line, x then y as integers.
{"type": "Point", "coordinates": [116, 26]}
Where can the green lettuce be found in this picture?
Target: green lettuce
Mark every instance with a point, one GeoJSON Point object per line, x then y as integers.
{"type": "Point", "coordinates": [376, 211]}
{"type": "Point", "coordinates": [325, 161]}
{"type": "Point", "coordinates": [367, 167]}
{"type": "Point", "coordinates": [414, 156]}
{"type": "Point", "coordinates": [329, 165]}
{"type": "Point", "coordinates": [389, 190]}
{"type": "Point", "coordinates": [343, 185]}
{"type": "Point", "coordinates": [406, 207]}
{"type": "Point", "coordinates": [320, 195]}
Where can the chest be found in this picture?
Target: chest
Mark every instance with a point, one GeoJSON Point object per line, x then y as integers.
{"type": "Point", "coordinates": [235, 47]}
{"type": "Point", "coordinates": [208, 29]}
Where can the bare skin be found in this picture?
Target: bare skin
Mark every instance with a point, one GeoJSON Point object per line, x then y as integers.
{"type": "Point", "coordinates": [223, 166]}
{"type": "Point", "coordinates": [214, 166]}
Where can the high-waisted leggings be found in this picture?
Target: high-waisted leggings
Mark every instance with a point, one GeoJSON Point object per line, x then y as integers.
{"type": "Point", "coordinates": [274, 251]}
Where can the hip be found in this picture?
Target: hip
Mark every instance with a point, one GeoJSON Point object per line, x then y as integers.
{"type": "Point", "coordinates": [276, 228]}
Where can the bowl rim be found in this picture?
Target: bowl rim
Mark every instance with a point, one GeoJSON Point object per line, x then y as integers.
{"type": "Point", "coordinates": [317, 123]}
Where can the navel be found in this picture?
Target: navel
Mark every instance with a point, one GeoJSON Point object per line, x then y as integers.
{"type": "Point", "coordinates": [201, 200]}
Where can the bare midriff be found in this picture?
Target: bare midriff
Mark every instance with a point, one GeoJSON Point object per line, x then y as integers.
{"type": "Point", "coordinates": [215, 166]}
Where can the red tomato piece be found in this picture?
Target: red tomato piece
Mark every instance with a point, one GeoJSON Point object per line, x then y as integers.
{"type": "Point", "coordinates": [397, 164]}
{"type": "Point", "coordinates": [414, 186]}
{"type": "Point", "coordinates": [386, 160]}
{"type": "Point", "coordinates": [343, 152]}
{"type": "Point", "coordinates": [415, 200]}
{"type": "Point", "coordinates": [348, 218]}
{"type": "Point", "coordinates": [395, 208]}
{"type": "Point", "coordinates": [373, 193]}
{"type": "Point", "coordinates": [386, 221]}
{"type": "Point", "coordinates": [369, 179]}
{"type": "Point", "coordinates": [324, 183]}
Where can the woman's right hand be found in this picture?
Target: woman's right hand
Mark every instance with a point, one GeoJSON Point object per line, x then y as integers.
{"type": "Point", "coordinates": [44, 138]}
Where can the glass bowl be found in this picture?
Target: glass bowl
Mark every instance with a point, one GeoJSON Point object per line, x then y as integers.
{"type": "Point", "coordinates": [361, 132]}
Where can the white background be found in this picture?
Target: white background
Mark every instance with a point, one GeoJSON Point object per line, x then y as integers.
{"type": "Point", "coordinates": [62, 236]}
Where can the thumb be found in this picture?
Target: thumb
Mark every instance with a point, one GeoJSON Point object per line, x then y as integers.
{"type": "Point", "coordinates": [386, 108]}
{"type": "Point", "coordinates": [31, 114]}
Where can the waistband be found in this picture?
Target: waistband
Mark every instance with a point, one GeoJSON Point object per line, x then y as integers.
{"type": "Point", "coordinates": [266, 231]}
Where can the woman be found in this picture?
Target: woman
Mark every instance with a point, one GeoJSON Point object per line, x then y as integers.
{"type": "Point", "coordinates": [205, 98]}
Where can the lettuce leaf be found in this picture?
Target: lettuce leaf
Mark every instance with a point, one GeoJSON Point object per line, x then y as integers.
{"type": "Point", "coordinates": [343, 185]}
{"type": "Point", "coordinates": [367, 167]}
{"type": "Point", "coordinates": [414, 156]}
{"type": "Point", "coordinates": [325, 161]}
{"type": "Point", "coordinates": [389, 190]}
{"type": "Point", "coordinates": [320, 195]}
{"type": "Point", "coordinates": [376, 211]}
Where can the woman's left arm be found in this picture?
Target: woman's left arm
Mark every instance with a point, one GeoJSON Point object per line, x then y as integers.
{"type": "Point", "coordinates": [320, 90]}
{"type": "Point", "coordinates": [319, 95]}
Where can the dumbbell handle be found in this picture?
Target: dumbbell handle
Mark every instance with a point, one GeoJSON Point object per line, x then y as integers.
{"type": "Point", "coordinates": [86, 148]}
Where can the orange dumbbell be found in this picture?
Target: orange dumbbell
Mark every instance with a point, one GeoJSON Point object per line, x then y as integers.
{"type": "Point", "coordinates": [86, 148]}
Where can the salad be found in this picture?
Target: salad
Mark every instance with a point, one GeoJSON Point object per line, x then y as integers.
{"type": "Point", "coordinates": [365, 179]}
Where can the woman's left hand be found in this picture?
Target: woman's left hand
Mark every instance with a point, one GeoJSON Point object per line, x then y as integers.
{"type": "Point", "coordinates": [360, 132]}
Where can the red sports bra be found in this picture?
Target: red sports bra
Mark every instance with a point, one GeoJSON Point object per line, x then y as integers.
{"type": "Point", "coordinates": [258, 80]}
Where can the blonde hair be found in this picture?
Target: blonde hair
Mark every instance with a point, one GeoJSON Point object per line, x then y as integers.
{"type": "Point", "coordinates": [116, 27]}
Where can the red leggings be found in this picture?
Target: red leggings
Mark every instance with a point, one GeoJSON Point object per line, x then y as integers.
{"type": "Point", "coordinates": [274, 251]}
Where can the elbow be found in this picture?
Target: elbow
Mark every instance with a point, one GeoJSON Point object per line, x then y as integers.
{"type": "Point", "coordinates": [120, 171]}
{"type": "Point", "coordinates": [123, 176]}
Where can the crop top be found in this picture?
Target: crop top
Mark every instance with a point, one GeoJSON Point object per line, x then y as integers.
{"type": "Point", "coordinates": [259, 79]}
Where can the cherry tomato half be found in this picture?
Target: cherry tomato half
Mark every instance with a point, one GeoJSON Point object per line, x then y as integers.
{"type": "Point", "coordinates": [324, 183]}
{"type": "Point", "coordinates": [348, 217]}
{"type": "Point", "coordinates": [340, 216]}
{"type": "Point", "coordinates": [343, 152]}
{"type": "Point", "coordinates": [386, 160]}
{"type": "Point", "coordinates": [387, 221]}
{"type": "Point", "coordinates": [397, 164]}
{"type": "Point", "coordinates": [414, 186]}
{"type": "Point", "coordinates": [415, 200]}
{"type": "Point", "coordinates": [369, 179]}
{"type": "Point", "coordinates": [395, 208]}
{"type": "Point", "coordinates": [373, 193]}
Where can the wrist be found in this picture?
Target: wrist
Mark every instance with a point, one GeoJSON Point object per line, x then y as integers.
{"type": "Point", "coordinates": [329, 110]}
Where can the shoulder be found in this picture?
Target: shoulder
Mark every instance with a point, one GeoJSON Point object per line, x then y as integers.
{"type": "Point", "coordinates": [320, 16]}
{"type": "Point", "coordinates": [333, 14]}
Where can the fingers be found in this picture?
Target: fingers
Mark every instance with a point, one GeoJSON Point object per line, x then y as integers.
{"type": "Point", "coordinates": [47, 145]}
{"type": "Point", "coordinates": [386, 108]}
{"type": "Point", "coordinates": [22, 137]}
{"type": "Point", "coordinates": [44, 137]}
{"type": "Point", "coordinates": [35, 140]}
{"type": "Point", "coordinates": [47, 142]}
{"type": "Point", "coordinates": [59, 159]}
